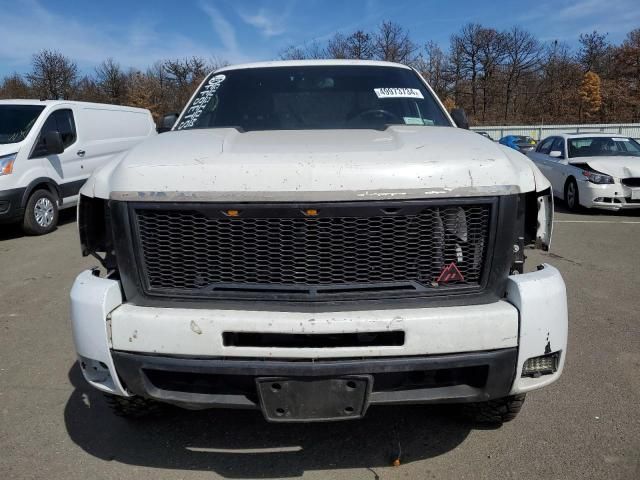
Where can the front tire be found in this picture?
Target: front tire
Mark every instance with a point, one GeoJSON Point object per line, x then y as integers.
{"type": "Point", "coordinates": [572, 195]}
{"type": "Point", "coordinates": [495, 412]}
{"type": "Point", "coordinates": [41, 213]}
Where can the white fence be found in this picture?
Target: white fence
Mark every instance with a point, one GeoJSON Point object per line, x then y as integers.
{"type": "Point", "coordinates": [541, 131]}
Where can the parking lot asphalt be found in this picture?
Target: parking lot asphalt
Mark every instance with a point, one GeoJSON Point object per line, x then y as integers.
{"type": "Point", "coordinates": [587, 425]}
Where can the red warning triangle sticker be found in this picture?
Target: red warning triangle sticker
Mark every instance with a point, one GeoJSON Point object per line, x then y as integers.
{"type": "Point", "coordinates": [450, 273]}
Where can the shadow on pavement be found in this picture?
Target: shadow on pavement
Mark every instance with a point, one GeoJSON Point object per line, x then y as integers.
{"type": "Point", "coordinates": [241, 444]}
{"type": "Point", "coordinates": [10, 231]}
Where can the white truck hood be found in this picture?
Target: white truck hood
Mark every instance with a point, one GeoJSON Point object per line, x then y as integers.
{"type": "Point", "coordinates": [315, 165]}
{"type": "Point", "coordinates": [616, 166]}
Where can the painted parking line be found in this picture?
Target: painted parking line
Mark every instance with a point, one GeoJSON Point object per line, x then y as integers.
{"type": "Point", "coordinates": [597, 221]}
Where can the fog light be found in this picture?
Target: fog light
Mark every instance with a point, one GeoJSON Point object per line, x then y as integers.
{"type": "Point", "coordinates": [544, 365]}
{"type": "Point", "coordinates": [598, 199]}
{"type": "Point", "coordinates": [94, 370]}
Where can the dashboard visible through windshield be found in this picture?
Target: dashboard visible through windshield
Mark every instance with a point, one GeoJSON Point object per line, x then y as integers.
{"type": "Point", "coordinates": [313, 97]}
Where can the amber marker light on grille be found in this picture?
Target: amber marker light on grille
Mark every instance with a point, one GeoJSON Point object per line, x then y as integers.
{"type": "Point", "coordinates": [232, 213]}
{"type": "Point", "coordinates": [311, 212]}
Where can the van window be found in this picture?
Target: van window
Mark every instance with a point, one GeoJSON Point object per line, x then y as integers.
{"type": "Point", "coordinates": [61, 121]}
{"type": "Point", "coordinates": [16, 121]}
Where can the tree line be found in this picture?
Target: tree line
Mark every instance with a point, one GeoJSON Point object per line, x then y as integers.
{"type": "Point", "coordinates": [503, 77]}
{"type": "Point", "coordinates": [164, 87]}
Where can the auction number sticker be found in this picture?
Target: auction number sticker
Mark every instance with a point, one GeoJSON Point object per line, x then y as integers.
{"type": "Point", "coordinates": [398, 92]}
{"type": "Point", "coordinates": [201, 101]}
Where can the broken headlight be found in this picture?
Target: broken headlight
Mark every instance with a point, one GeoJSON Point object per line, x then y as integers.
{"type": "Point", "coordinates": [94, 227]}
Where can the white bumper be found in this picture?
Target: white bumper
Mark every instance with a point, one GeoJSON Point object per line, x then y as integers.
{"type": "Point", "coordinates": [611, 196]}
{"type": "Point", "coordinates": [533, 314]}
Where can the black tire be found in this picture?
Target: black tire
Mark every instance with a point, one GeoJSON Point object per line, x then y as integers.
{"type": "Point", "coordinates": [572, 195]}
{"type": "Point", "coordinates": [495, 412]}
{"type": "Point", "coordinates": [41, 213]}
{"type": "Point", "coordinates": [134, 407]}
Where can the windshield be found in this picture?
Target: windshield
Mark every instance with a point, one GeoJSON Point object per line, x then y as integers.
{"type": "Point", "coordinates": [603, 147]}
{"type": "Point", "coordinates": [16, 121]}
{"type": "Point", "coordinates": [313, 97]}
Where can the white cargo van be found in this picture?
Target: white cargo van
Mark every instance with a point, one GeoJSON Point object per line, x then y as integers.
{"type": "Point", "coordinates": [49, 148]}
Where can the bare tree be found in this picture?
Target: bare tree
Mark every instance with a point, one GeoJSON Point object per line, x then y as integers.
{"type": "Point", "coordinates": [392, 43]}
{"type": "Point", "coordinates": [360, 45]}
{"type": "Point", "coordinates": [310, 51]}
{"type": "Point", "coordinates": [522, 55]}
{"type": "Point", "coordinates": [111, 81]}
{"type": "Point", "coordinates": [594, 52]}
{"type": "Point", "coordinates": [337, 47]}
{"type": "Point", "coordinates": [53, 75]}
{"type": "Point", "coordinates": [433, 66]}
{"type": "Point", "coordinates": [491, 54]}
{"type": "Point", "coordinates": [465, 48]}
{"type": "Point", "coordinates": [14, 86]}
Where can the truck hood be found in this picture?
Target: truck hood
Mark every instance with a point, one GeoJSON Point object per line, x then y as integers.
{"type": "Point", "coordinates": [314, 165]}
{"type": "Point", "coordinates": [616, 166]}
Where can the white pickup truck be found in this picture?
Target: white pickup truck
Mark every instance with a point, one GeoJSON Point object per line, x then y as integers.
{"type": "Point", "coordinates": [312, 238]}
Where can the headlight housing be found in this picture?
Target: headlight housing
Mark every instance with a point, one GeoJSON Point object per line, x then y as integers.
{"type": "Point", "coordinates": [599, 178]}
{"type": "Point", "coordinates": [6, 163]}
{"type": "Point", "coordinates": [94, 227]}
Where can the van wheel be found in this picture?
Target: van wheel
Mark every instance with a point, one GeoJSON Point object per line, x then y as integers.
{"type": "Point", "coordinates": [41, 213]}
{"type": "Point", "coordinates": [572, 195]}
{"type": "Point", "coordinates": [133, 407]}
{"type": "Point", "coordinates": [495, 412]}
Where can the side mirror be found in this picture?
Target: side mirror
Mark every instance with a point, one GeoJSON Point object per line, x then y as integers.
{"type": "Point", "coordinates": [555, 154]}
{"type": "Point", "coordinates": [53, 142]}
{"type": "Point", "coordinates": [167, 122]}
{"type": "Point", "coordinates": [460, 118]}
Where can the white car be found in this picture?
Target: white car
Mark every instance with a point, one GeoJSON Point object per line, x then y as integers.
{"type": "Point", "coordinates": [312, 238]}
{"type": "Point", "coordinates": [49, 148]}
{"type": "Point", "coordinates": [591, 170]}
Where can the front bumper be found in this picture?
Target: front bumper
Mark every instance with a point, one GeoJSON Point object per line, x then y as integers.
{"type": "Point", "coordinates": [613, 197]}
{"type": "Point", "coordinates": [206, 383]}
{"type": "Point", "coordinates": [11, 209]}
{"type": "Point", "coordinates": [460, 353]}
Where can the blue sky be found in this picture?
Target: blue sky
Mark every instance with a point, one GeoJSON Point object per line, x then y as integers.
{"type": "Point", "coordinates": [138, 32]}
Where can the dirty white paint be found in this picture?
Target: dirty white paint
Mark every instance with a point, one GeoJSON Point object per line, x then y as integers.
{"type": "Point", "coordinates": [541, 298]}
{"type": "Point", "coordinates": [92, 298]}
{"type": "Point", "coordinates": [401, 162]}
{"type": "Point", "coordinates": [427, 330]}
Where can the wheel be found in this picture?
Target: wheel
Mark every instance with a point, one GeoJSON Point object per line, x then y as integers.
{"type": "Point", "coordinates": [495, 412]}
{"type": "Point", "coordinates": [572, 195]}
{"type": "Point", "coordinates": [41, 213]}
{"type": "Point", "coordinates": [133, 407]}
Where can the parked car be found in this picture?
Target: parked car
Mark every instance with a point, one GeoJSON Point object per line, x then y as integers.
{"type": "Point", "coordinates": [49, 148]}
{"type": "Point", "coordinates": [521, 143]}
{"type": "Point", "coordinates": [311, 238]}
{"type": "Point", "coordinates": [485, 134]}
{"type": "Point", "coordinates": [592, 170]}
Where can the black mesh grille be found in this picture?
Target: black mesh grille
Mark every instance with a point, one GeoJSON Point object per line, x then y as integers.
{"type": "Point", "coordinates": [283, 250]}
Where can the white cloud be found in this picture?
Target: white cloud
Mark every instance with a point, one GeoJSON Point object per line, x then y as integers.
{"type": "Point", "coordinates": [223, 28]}
{"type": "Point", "coordinates": [268, 24]}
{"type": "Point", "coordinates": [28, 27]}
